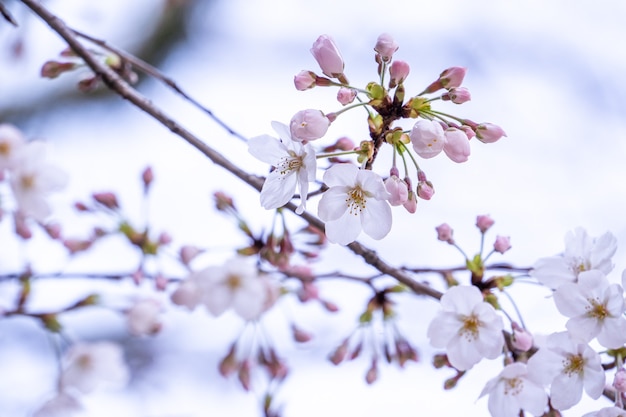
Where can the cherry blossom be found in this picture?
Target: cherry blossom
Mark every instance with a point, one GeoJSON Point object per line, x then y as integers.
{"type": "Point", "coordinates": [595, 308]}
{"type": "Point", "coordinates": [569, 366]}
{"type": "Point", "coordinates": [32, 179]}
{"type": "Point", "coordinates": [144, 317]}
{"type": "Point", "coordinates": [355, 201]}
{"type": "Point", "coordinates": [469, 328]}
{"type": "Point", "coordinates": [327, 56]}
{"type": "Point", "coordinates": [294, 164]}
{"type": "Point", "coordinates": [88, 365]}
{"type": "Point", "coordinates": [237, 285]}
{"type": "Point", "coordinates": [386, 46]}
{"type": "Point", "coordinates": [582, 253]}
{"type": "Point", "coordinates": [514, 390]}
{"type": "Point", "coordinates": [309, 124]}
{"type": "Point", "coordinates": [456, 145]}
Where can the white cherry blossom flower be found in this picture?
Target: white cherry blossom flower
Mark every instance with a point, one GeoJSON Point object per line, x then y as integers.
{"type": "Point", "coordinates": [355, 201]}
{"type": "Point", "coordinates": [514, 390]}
{"type": "Point", "coordinates": [294, 164]}
{"type": "Point", "coordinates": [32, 179]}
{"type": "Point", "coordinates": [144, 317]}
{"type": "Point", "coordinates": [88, 365]}
{"type": "Point", "coordinates": [469, 328]}
{"type": "Point", "coordinates": [595, 308]}
{"type": "Point", "coordinates": [569, 366]}
{"type": "Point", "coordinates": [237, 285]}
{"type": "Point", "coordinates": [582, 253]}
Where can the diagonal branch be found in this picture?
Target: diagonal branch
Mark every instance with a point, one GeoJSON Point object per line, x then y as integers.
{"type": "Point", "coordinates": [113, 81]}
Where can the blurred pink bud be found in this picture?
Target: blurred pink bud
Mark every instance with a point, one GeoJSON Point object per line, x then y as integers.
{"type": "Point", "coordinates": [340, 353]}
{"type": "Point", "coordinates": [489, 133]}
{"type": "Point", "coordinates": [187, 253]}
{"type": "Point", "coordinates": [188, 294]}
{"type": "Point", "coordinates": [425, 190]}
{"type": "Point", "coordinates": [457, 146]}
{"type": "Point", "coordinates": [372, 373]}
{"type": "Point", "coordinates": [484, 222]}
{"type": "Point", "coordinates": [76, 245]}
{"type": "Point", "coordinates": [147, 176]}
{"type": "Point", "coordinates": [386, 46]}
{"type": "Point", "coordinates": [398, 71]}
{"type": "Point", "coordinates": [330, 306]}
{"type": "Point", "coordinates": [309, 291]}
{"type": "Point", "coordinates": [53, 230]}
{"type": "Point", "coordinates": [304, 80]}
{"type": "Point", "coordinates": [308, 125]}
{"type": "Point", "coordinates": [619, 383]}
{"type": "Point", "coordinates": [107, 199]}
{"type": "Point", "coordinates": [346, 95]}
{"type": "Point", "coordinates": [398, 190]}
{"type": "Point", "coordinates": [522, 340]}
{"type": "Point", "coordinates": [468, 131]}
{"type": "Point", "coordinates": [300, 335]}
{"type": "Point", "coordinates": [452, 77]}
{"type": "Point", "coordinates": [229, 363]}
{"type": "Point", "coordinates": [53, 69]}
{"type": "Point", "coordinates": [244, 374]}
{"type": "Point", "coordinates": [21, 227]}
{"type": "Point", "coordinates": [327, 56]}
{"type": "Point", "coordinates": [160, 282]}
{"type": "Point", "coordinates": [344, 144]}
{"type": "Point", "coordinates": [502, 244]}
{"type": "Point", "coordinates": [427, 137]}
{"type": "Point", "coordinates": [165, 238]}
{"type": "Point", "coordinates": [457, 95]}
{"type": "Point", "coordinates": [444, 233]}
{"type": "Point", "coordinates": [411, 203]}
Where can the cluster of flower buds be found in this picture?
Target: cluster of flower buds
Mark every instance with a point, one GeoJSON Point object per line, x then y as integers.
{"type": "Point", "coordinates": [357, 199]}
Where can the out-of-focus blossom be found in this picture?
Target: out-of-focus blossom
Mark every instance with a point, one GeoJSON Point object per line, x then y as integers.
{"type": "Point", "coordinates": [386, 46]}
{"type": "Point", "coordinates": [484, 222]}
{"type": "Point", "coordinates": [346, 95]}
{"type": "Point", "coordinates": [502, 244]}
{"type": "Point", "coordinates": [89, 365]}
{"type": "Point", "coordinates": [11, 143]}
{"type": "Point", "coordinates": [144, 318]}
{"type": "Point", "coordinates": [294, 163]}
{"type": "Point", "coordinates": [61, 405]}
{"type": "Point", "coordinates": [355, 201]}
{"type": "Point", "coordinates": [444, 233]}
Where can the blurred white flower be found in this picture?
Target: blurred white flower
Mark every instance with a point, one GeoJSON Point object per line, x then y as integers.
{"type": "Point", "coordinates": [469, 328]}
{"type": "Point", "coordinates": [11, 143]}
{"type": "Point", "coordinates": [514, 390]}
{"type": "Point", "coordinates": [62, 405]}
{"type": "Point", "coordinates": [32, 179]}
{"type": "Point", "coordinates": [582, 253]}
{"type": "Point", "coordinates": [144, 317]}
{"type": "Point", "coordinates": [607, 412]}
{"type": "Point", "coordinates": [88, 365]}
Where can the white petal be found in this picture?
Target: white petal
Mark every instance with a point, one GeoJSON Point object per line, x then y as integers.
{"type": "Point", "coordinates": [341, 175]}
{"type": "Point", "coordinates": [376, 218]}
{"type": "Point", "coordinates": [278, 189]}
{"type": "Point", "coordinates": [344, 230]}
{"type": "Point", "coordinates": [570, 300]}
{"type": "Point", "coordinates": [267, 149]}
{"type": "Point", "coordinates": [283, 131]}
{"type": "Point", "coordinates": [566, 391]}
{"type": "Point", "coordinates": [333, 204]}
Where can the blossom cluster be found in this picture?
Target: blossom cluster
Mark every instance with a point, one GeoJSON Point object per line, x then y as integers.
{"type": "Point", "coordinates": [566, 364]}
{"type": "Point", "coordinates": [359, 199]}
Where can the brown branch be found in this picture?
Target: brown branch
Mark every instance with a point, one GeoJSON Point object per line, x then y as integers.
{"type": "Point", "coordinates": [7, 15]}
{"type": "Point", "coordinates": [122, 88]}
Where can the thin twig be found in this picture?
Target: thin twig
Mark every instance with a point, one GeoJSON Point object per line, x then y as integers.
{"type": "Point", "coordinates": [7, 15]}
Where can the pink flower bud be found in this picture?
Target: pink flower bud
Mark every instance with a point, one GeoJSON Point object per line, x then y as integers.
{"type": "Point", "coordinates": [427, 138]}
{"type": "Point", "coordinates": [619, 383]}
{"type": "Point", "coordinates": [53, 230]}
{"type": "Point", "coordinates": [452, 77]}
{"type": "Point", "coordinates": [457, 146]}
{"type": "Point", "coordinates": [53, 69]}
{"type": "Point", "coordinates": [484, 222]}
{"type": "Point", "coordinates": [346, 95]}
{"type": "Point", "coordinates": [444, 233]}
{"type": "Point", "coordinates": [386, 46]}
{"type": "Point", "coordinates": [398, 71]}
{"type": "Point", "coordinates": [457, 95]}
{"type": "Point", "coordinates": [502, 244]}
{"type": "Point", "coordinates": [468, 131]}
{"type": "Point", "coordinates": [300, 335]}
{"type": "Point", "coordinates": [108, 200]}
{"type": "Point", "coordinates": [489, 133]}
{"type": "Point", "coordinates": [372, 373]}
{"type": "Point", "coordinates": [304, 80]}
{"type": "Point", "coordinates": [425, 190]}
{"type": "Point", "coordinates": [522, 340]}
{"type": "Point", "coordinates": [147, 176]}
{"type": "Point", "coordinates": [308, 125]}
{"type": "Point", "coordinates": [340, 353]}
{"type": "Point", "coordinates": [187, 253]}
{"type": "Point", "coordinates": [398, 190]}
{"type": "Point", "coordinates": [21, 227]}
{"type": "Point", "coordinates": [327, 56]}
{"type": "Point", "coordinates": [411, 203]}
{"type": "Point", "coordinates": [77, 245]}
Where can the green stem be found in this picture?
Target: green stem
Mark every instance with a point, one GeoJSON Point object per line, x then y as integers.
{"type": "Point", "coordinates": [333, 154]}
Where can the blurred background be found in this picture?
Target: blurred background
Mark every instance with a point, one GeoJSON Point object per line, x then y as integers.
{"type": "Point", "coordinates": [552, 74]}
